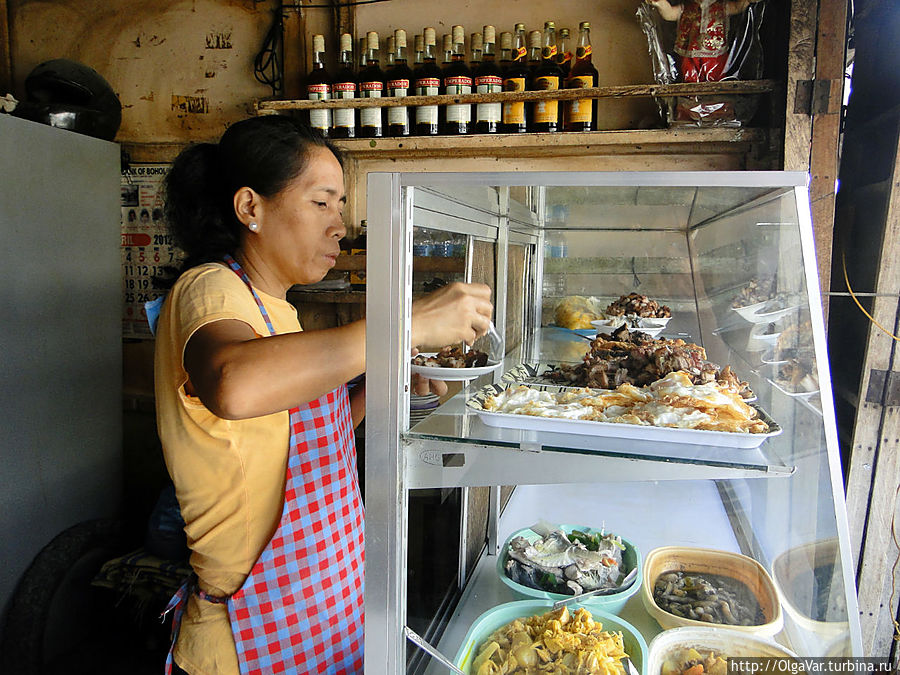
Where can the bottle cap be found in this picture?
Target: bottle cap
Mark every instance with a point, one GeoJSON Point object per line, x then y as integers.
{"type": "Point", "coordinates": [318, 43]}
{"type": "Point", "coordinates": [400, 38]}
{"type": "Point", "coordinates": [459, 34]}
{"type": "Point", "coordinates": [372, 40]}
{"type": "Point", "coordinates": [520, 27]}
{"type": "Point", "coordinates": [584, 24]}
{"type": "Point", "coordinates": [563, 32]}
{"type": "Point", "coordinates": [419, 43]}
{"type": "Point", "coordinates": [476, 42]}
{"type": "Point", "coordinates": [447, 42]}
{"type": "Point", "coordinates": [489, 33]}
{"type": "Point", "coordinates": [391, 44]}
{"type": "Point", "coordinates": [505, 40]}
{"type": "Point", "coordinates": [346, 42]}
{"type": "Point", "coordinates": [550, 24]}
{"type": "Point", "coordinates": [534, 38]}
{"type": "Point", "coordinates": [429, 36]}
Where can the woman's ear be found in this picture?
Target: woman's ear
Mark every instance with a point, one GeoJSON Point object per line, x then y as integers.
{"type": "Point", "coordinates": [247, 205]}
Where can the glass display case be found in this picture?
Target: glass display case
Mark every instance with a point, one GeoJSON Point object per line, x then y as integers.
{"type": "Point", "coordinates": [725, 263]}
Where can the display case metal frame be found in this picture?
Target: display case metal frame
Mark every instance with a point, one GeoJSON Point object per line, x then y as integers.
{"type": "Point", "coordinates": [398, 461]}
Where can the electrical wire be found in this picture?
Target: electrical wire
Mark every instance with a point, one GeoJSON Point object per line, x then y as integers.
{"type": "Point", "coordinates": [267, 67]}
{"type": "Point", "coordinates": [861, 308]}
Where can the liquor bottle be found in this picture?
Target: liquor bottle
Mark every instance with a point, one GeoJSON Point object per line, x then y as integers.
{"type": "Point", "coordinates": [343, 124]}
{"type": "Point", "coordinates": [428, 83]}
{"type": "Point", "coordinates": [418, 53]}
{"type": "Point", "coordinates": [399, 80]}
{"type": "Point", "coordinates": [389, 53]}
{"type": "Point", "coordinates": [516, 79]}
{"type": "Point", "coordinates": [476, 47]}
{"type": "Point", "coordinates": [547, 77]}
{"type": "Point", "coordinates": [488, 80]}
{"type": "Point", "coordinates": [534, 53]}
{"type": "Point", "coordinates": [580, 112]}
{"type": "Point", "coordinates": [458, 80]}
{"type": "Point", "coordinates": [505, 52]}
{"type": "Point", "coordinates": [371, 85]}
{"type": "Point", "coordinates": [318, 86]}
{"type": "Point", "coordinates": [447, 48]}
{"type": "Point", "coordinates": [564, 52]}
{"type": "Point", "coordinates": [363, 50]}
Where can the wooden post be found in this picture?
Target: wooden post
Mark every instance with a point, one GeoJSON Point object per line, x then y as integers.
{"type": "Point", "coordinates": [875, 465]}
{"type": "Point", "coordinates": [826, 130]}
{"type": "Point", "coordinates": [6, 79]}
{"type": "Point", "coordinates": [294, 47]}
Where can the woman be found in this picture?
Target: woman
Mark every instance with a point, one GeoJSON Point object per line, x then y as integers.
{"type": "Point", "coordinates": [253, 413]}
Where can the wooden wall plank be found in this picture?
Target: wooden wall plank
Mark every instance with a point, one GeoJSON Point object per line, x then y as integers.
{"type": "Point", "coordinates": [875, 469]}
{"type": "Point", "coordinates": [801, 67]}
{"type": "Point", "coordinates": [826, 130]}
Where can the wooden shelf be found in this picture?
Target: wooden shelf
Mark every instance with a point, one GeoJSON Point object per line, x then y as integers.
{"type": "Point", "coordinates": [298, 294]}
{"type": "Point", "coordinates": [725, 140]}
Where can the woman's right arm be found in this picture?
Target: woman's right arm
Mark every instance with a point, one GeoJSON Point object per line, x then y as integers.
{"type": "Point", "coordinates": [238, 376]}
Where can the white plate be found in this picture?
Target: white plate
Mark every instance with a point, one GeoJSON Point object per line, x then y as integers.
{"type": "Point", "coordinates": [787, 392]}
{"type": "Point", "coordinates": [453, 374]}
{"type": "Point", "coordinates": [721, 439]}
{"type": "Point", "coordinates": [753, 313]}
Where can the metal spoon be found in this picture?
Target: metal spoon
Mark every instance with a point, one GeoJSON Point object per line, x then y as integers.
{"type": "Point", "coordinates": [626, 583]}
{"type": "Point", "coordinates": [419, 641]}
{"type": "Point", "coordinates": [497, 343]}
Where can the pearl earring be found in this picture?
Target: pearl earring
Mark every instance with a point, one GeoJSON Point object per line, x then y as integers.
{"type": "Point", "coordinates": [254, 227]}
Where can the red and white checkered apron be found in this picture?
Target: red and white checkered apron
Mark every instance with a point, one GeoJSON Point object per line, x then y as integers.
{"type": "Point", "coordinates": [301, 608]}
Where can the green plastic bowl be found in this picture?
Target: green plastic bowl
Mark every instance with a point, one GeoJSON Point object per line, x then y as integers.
{"type": "Point", "coordinates": [631, 558]}
{"type": "Point", "coordinates": [499, 616]}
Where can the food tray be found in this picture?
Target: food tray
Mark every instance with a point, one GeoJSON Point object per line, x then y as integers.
{"type": "Point", "coordinates": [612, 602]}
{"type": "Point", "coordinates": [499, 616]}
{"type": "Point", "coordinates": [721, 439]}
{"type": "Point", "coordinates": [754, 313]}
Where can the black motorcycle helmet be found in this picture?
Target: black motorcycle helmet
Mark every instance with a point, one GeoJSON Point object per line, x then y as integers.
{"type": "Point", "coordinates": [71, 95]}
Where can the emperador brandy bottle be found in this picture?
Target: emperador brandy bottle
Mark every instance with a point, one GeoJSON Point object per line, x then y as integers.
{"type": "Point", "coordinates": [580, 112]}
{"type": "Point", "coordinates": [547, 77]}
{"type": "Point", "coordinates": [318, 86]}
{"type": "Point", "coordinates": [476, 47]}
{"type": "Point", "coordinates": [428, 83]}
{"type": "Point", "coordinates": [399, 80]}
{"type": "Point", "coordinates": [506, 43]}
{"type": "Point", "coordinates": [343, 123]}
{"type": "Point", "coordinates": [516, 79]}
{"type": "Point", "coordinates": [487, 80]}
{"type": "Point", "coordinates": [458, 80]}
{"type": "Point", "coordinates": [371, 85]}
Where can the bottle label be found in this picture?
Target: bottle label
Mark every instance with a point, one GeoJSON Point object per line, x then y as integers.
{"type": "Point", "coordinates": [581, 110]}
{"type": "Point", "coordinates": [370, 117]}
{"type": "Point", "coordinates": [514, 111]}
{"type": "Point", "coordinates": [398, 116]}
{"type": "Point", "coordinates": [546, 111]}
{"type": "Point", "coordinates": [345, 117]}
{"type": "Point", "coordinates": [548, 52]}
{"type": "Point", "coordinates": [319, 119]}
{"type": "Point", "coordinates": [488, 112]}
{"type": "Point", "coordinates": [427, 86]}
{"type": "Point", "coordinates": [458, 85]}
{"type": "Point", "coordinates": [344, 90]}
{"type": "Point", "coordinates": [521, 53]}
{"type": "Point", "coordinates": [370, 89]}
{"type": "Point", "coordinates": [582, 52]}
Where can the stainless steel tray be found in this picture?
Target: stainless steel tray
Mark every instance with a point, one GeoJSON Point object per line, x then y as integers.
{"type": "Point", "coordinates": [722, 439]}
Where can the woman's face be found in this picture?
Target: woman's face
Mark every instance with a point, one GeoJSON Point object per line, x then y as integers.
{"type": "Point", "coordinates": [300, 227]}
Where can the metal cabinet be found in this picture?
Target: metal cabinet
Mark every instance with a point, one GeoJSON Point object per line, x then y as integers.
{"type": "Point", "coordinates": [732, 254]}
